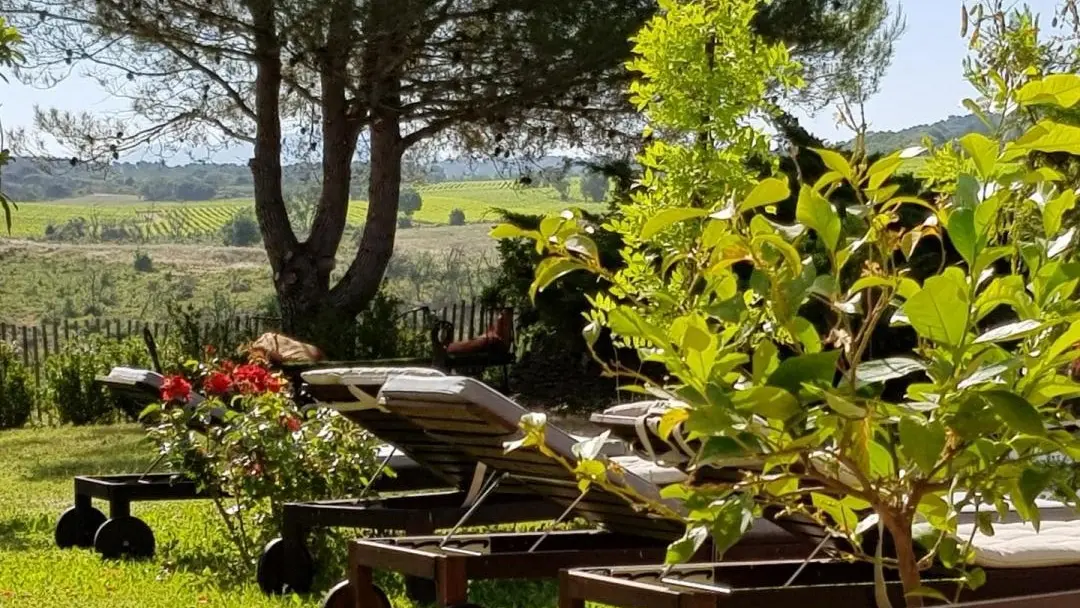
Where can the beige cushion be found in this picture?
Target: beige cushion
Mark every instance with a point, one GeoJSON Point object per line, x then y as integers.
{"type": "Point", "coordinates": [363, 382]}
{"type": "Point", "coordinates": [399, 391]}
{"type": "Point", "coordinates": [1015, 543]}
{"type": "Point", "coordinates": [651, 471]}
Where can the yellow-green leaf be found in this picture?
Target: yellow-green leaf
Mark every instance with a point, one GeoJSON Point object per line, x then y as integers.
{"type": "Point", "coordinates": [668, 217]}
{"type": "Point", "coordinates": [549, 271]}
{"type": "Point", "coordinates": [883, 169]}
{"type": "Point", "coordinates": [982, 150]}
{"type": "Point", "coordinates": [836, 162]}
{"type": "Point", "coordinates": [1046, 136]}
{"type": "Point", "coordinates": [1057, 89]}
{"type": "Point", "coordinates": [939, 312]}
{"type": "Point", "coordinates": [819, 215]}
{"type": "Point", "coordinates": [767, 192]}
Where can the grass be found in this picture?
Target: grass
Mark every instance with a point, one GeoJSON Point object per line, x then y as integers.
{"type": "Point", "coordinates": [163, 219]}
{"type": "Point", "coordinates": [35, 487]}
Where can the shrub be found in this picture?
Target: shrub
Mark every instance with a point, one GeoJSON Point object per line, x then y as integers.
{"type": "Point", "coordinates": [69, 378]}
{"type": "Point", "coordinates": [241, 230]}
{"type": "Point", "coordinates": [409, 201]}
{"type": "Point", "coordinates": [594, 186]}
{"type": "Point", "coordinates": [16, 398]}
{"type": "Point", "coordinates": [457, 217]}
{"type": "Point", "coordinates": [143, 262]}
{"type": "Point", "coordinates": [266, 452]}
{"type": "Point", "coordinates": [865, 445]}
{"type": "Point", "coordinates": [404, 222]}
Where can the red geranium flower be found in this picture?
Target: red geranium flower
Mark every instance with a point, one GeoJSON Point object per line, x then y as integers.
{"type": "Point", "coordinates": [175, 389]}
{"type": "Point", "coordinates": [252, 379]}
{"type": "Point", "coordinates": [292, 423]}
{"type": "Point", "coordinates": [217, 383]}
{"type": "Point", "coordinates": [273, 385]}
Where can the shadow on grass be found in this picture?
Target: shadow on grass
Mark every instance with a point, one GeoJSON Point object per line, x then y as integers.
{"type": "Point", "coordinates": [90, 463]}
{"type": "Point", "coordinates": [23, 532]}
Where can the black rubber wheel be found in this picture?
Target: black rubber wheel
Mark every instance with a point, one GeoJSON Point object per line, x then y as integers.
{"type": "Point", "coordinates": [125, 537]}
{"type": "Point", "coordinates": [77, 527]}
{"type": "Point", "coordinates": [420, 590]}
{"type": "Point", "coordinates": [342, 595]}
{"type": "Point", "coordinates": [281, 571]}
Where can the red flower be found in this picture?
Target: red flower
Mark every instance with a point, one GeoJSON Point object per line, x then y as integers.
{"type": "Point", "coordinates": [273, 385]}
{"type": "Point", "coordinates": [217, 383]}
{"type": "Point", "coordinates": [175, 390]}
{"type": "Point", "coordinates": [227, 367]}
{"type": "Point", "coordinates": [209, 350]}
{"type": "Point", "coordinates": [251, 378]}
{"type": "Point", "coordinates": [292, 423]}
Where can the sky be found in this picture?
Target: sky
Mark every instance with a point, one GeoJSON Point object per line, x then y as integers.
{"type": "Point", "coordinates": [924, 84]}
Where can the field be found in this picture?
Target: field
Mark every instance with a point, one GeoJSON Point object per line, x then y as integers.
{"type": "Point", "coordinates": [35, 487]}
{"type": "Point", "coordinates": [57, 281]}
{"type": "Point", "coordinates": [161, 220]}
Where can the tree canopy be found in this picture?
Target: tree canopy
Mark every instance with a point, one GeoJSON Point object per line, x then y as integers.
{"type": "Point", "coordinates": [293, 76]}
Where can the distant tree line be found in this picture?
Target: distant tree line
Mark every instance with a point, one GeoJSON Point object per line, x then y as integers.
{"type": "Point", "coordinates": [954, 127]}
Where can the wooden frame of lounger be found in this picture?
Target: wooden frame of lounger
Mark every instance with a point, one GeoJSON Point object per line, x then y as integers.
{"type": "Point", "coordinates": [818, 584]}
{"type": "Point", "coordinates": [285, 563]}
{"type": "Point", "coordinates": [478, 419]}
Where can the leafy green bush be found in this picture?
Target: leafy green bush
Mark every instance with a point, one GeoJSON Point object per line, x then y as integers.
{"type": "Point", "coordinates": [143, 262]}
{"type": "Point", "coordinates": [716, 288]}
{"type": "Point", "coordinates": [457, 217]}
{"type": "Point", "coordinates": [266, 451]}
{"type": "Point", "coordinates": [409, 201]}
{"type": "Point", "coordinates": [69, 378]}
{"type": "Point", "coordinates": [241, 230]}
{"type": "Point", "coordinates": [16, 397]}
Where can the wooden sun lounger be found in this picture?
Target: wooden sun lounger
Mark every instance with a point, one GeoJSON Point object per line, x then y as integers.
{"type": "Point", "coordinates": [817, 584]}
{"type": "Point", "coordinates": [478, 420]}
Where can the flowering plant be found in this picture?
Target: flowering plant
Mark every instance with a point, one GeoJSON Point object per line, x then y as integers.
{"type": "Point", "coordinates": [252, 448]}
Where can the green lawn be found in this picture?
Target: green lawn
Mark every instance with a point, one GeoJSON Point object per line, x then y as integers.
{"type": "Point", "coordinates": [36, 485]}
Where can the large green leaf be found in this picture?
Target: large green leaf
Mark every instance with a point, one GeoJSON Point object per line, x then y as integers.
{"type": "Point", "coordinates": [922, 442]}
{"type": "Point", "coordinates": [1054, 209]}
{"type": "Point", "coordinates": [550, 270]}
{"type": "Point", "coordinates": [1064, 342]}
{"type": "Point", "coordinates": [680, 551]}
{"type": "Point", "coordinates": [1046, 136]}
{"type": "Point", "coordinates": [819, 215]}
{"type": "Point", "coordinates": [982, 150]}
{"type": "Point", "coordinates": [766, 192]}
{"type": "Point", "coordinates": [939, 312]}
{"type": "Point", "coordinates": [963, 234]}
{"type": "Point", "coordinates": [836, 162]}
{"type": "Point", "coordinates": [668, 217]}
{"type": "Point", "coordinates": [1009, 331]}
{"type": "Point", "coordinates": [1027, 488]}
{"type": "Point", "coordinates": [813, 368]}
{"type": "Point", "coordinates": [730, 523]}
{"type": "Point", "coordinates": [1015, 411]}
{"type": "Point", "coordinates": [1056, 89]}
{"type": "Point", "coordinates": [882, 370]}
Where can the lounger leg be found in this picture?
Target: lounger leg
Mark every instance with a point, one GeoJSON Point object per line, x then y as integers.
{"type": "Point", "coordinates": [419, 589]}
{"type": "Point", "coordinates": [451, 583]}
{"type": "Point", "coordinates": [362, 581]}
{"type": "Point", "coordinates": [567, 597]}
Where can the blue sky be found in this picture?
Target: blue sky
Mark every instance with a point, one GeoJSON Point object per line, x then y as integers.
{"type": "Point", "coordinates": [924, 84]}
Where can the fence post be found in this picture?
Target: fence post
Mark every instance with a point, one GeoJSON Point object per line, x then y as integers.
{"type": "Point", "coordinates": [37, 363]}
{"type": "Point", "coordinates": [25, 347]}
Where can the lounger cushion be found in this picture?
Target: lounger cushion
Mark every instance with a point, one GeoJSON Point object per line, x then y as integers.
{"type": "Point", "coordinates": [1018, 545]}
{"type": "Point", "coordinates": [127, 378]}
{"type": "Point", "coordinates": [364, 376]}
{"type": "Point", "coordinates": [646, 469]}
{"type": "Point", "coordinates": [1015, 543]}
{"type": "Point", "coordinates": [466, 391]}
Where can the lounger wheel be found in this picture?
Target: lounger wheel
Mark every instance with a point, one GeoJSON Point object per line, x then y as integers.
{"type": "Point", "coordinates": [342, 595]}
{"type": "Point", "coordinates": [281, 570]}
{"type": "Point", "coordinates": [77, 527]}
{"type": "Point", "coordinates": [124, 537]}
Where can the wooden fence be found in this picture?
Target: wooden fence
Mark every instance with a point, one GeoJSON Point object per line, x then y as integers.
{"type": "Point", "coordinates": [37, 342]}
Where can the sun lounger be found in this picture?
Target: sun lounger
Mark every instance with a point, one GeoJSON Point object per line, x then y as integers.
{"type": "Point", "coordinates": [461, 478]}
{"type": "Point", "coordinates": [468, 414]}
